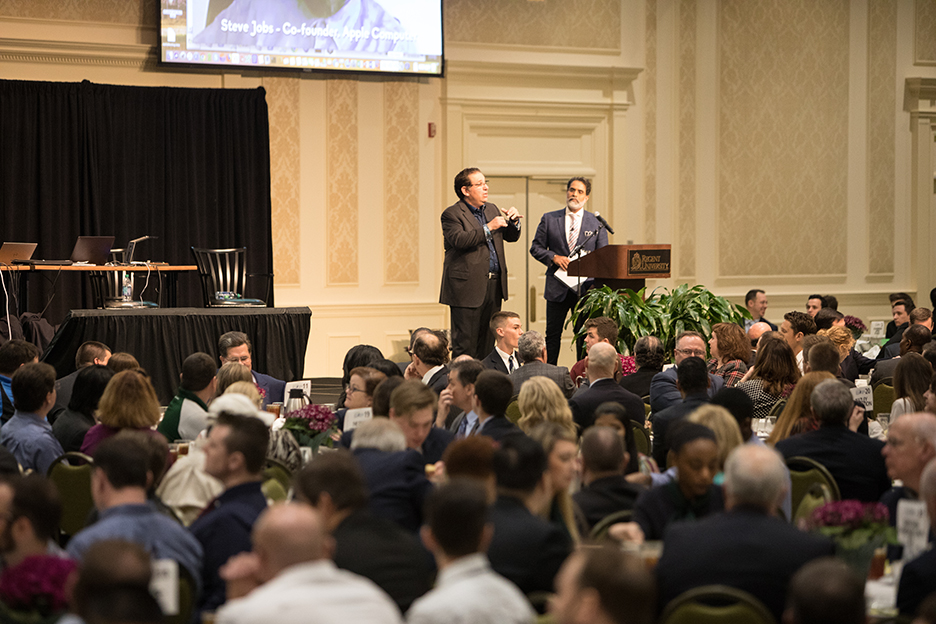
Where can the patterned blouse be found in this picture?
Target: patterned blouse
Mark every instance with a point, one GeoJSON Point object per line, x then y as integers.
{"type": "Point", "coordinates": [762, 399]}
{"type": "Point", "coordinates": [731, 371]}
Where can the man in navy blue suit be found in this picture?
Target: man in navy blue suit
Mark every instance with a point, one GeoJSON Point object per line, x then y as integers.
{"type": "Point", "coordinates": [559, 233]}
{"type": "Point", "coordinates": [234, 346]}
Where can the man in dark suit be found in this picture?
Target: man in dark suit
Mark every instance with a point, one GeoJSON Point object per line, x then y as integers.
{"type": "Point", "coordinates": [507, 330]}
{"type": "Point", "coordinates": [692, 382]}
{"type": "Point", "coordinates": [918, 579]}
{"type": "Point", "coordinates": [602, 387]}
{"type": "Point", "coordinates": [474, 274]}
{"type": "Point", "coordinates": [558, 235]}
{"type": "Point", "coordinates": [429, 356]}
{"type": "Point", "coordinates": [532, 349]}
{"type": "Point", "coordinates": [604, 489]}
{"type": "Point", "coordinates": [234, 346]}
{"type": "Point", "coordinates": [412, 408]}
{"type": "Point", "coordinates": [373, 547]}
{"type": "Point", "coordinates": [854, 460]}
{"type": "Point", "coordinates": [649, 357]}
{"type": "Point", "coordinates": [492, 393]}
{"type": "Point", "coordinates": [663, 390]}
{"type": "Point", "coordinates": [525, 548]}
{"type": "Point", "coordinates": [89, 353]}
{"type": "Point", "coordinates": [748, 547]}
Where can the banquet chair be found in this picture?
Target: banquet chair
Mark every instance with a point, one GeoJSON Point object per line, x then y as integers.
{"type": "Point", "coordinates": [883, 398]}
{"type": "Point", "coordinates": [816, 496]}
{"type": "Point", "coordinates": [600, 530]}
{"type": "Point", "coordinates": [777, 409]}
{"type": "Point", "coordinates": [223, 275]}
{"type": "Point", "coordinates": [275, 469]}
{"type": "Point", "coordinates": [804, 472]}
{"type": "Point", "coordinates": [186, 598]}
{"type": "Point", "coordinates": [641, 439]}
{"type": "Point", "coordinates": [716, 604]}
{"type": "Point", "coordinates": [274, 491]}
{"type": "Point", "coordinates": [513, 411]}
{"type": "Point", "coordinates": [107, 287]}
{"type": "Point", "coordinates": [71, 474]}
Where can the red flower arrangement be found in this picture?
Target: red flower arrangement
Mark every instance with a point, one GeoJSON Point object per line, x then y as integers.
{"type": "Point", "coordinates": [312, 425]}
{"type": "Point", "coordinates": [37, 584]}
{"type": "Point", "coordinates": [855, 326]}
{"type": "Point", "coordinates": [853, 523]}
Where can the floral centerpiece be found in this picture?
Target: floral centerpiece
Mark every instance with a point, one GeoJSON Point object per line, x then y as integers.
{"type": "Point", "coordinates": [34, 590]}
{"type": "Point", "coordinates": [857, 529]}
{"type": "Point", "coordinates": [855, 326]}
{"type": "Point", "coordinates": [312, 426]}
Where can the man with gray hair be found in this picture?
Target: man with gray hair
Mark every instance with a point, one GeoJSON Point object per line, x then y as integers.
{"type": "Point", "coordinates": [910, 446]}
{"type": "Point", "coordinates": [853, 459]}
{"type": "Point", "coordinates": [601, 361]}
{"type": "Point", "coordinates": [532, 349]}
{"type": "Point", "coordinates": [918, 579]}
{"type": "Point", "coordinates": [747, 547]}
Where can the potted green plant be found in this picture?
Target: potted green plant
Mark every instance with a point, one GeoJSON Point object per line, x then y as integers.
{"type": "Point", "coordinates": [663, 314]}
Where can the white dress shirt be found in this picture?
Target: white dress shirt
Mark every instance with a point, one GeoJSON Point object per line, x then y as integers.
{"type": "Point", "coordinates": [468, 591]}
{"type": "Point", "coordinates": [576, 218]}
{"type": "Point", "coordinates": [506, 358]}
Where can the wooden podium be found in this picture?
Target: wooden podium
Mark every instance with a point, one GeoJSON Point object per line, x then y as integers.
{"type": "Point", "coordinates": [624, 266]}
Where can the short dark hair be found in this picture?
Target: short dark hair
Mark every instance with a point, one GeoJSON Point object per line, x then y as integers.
{"type": "Point", "coordinates": [411, 396]}
{"type": "Point", "coordinates": [914, 337]}
{"type": "Point", "coordinates": [122, 361]}
{"type": "Point", "coordinates": [90, 351]}
{"type": "Point", "coordinates": [467, 370]}
{"type": "Point", "coordinates": [626, 589]}
{"type": "Point", "coordinates": [822, 301]}
{"type": "Point", "coordinates": [831, 301]}
{"type": "Point", "coordinates": [826, 318]}
{"type": "Point", "coordinates": [380, 403]}
{"type": "Point", "coordinates": [649, 353]}
{"type": "Point", "coordinates": [31, 384]}
{"type": "Point", "coordinates": [198, 370]}
{"type": "Point", "coordinates": [456, 512]}
{"type": "Point", "coordinates": [249, 436]}
{"type": "Point", "coordinates": [685, 432]}
{"type": "Point", "coordinates": [519, 463]}
{"type": "Point", "coordinates": [826, 591]}
{"type": "Point", "coordinates": [233, 339]}
{"type": "Point", "coordinates": [736, 401]}
{"type": "Point", "coordinates": [156, 448]}
{"type": "Point", "coordinates": [605, 327]}
{"type": "Point", "coordinates": [499, 318]}
{"type": "Point", "coordinates": [387, 367]}
{"type": "Point", "coordinates": [752, 295]}
{"type": "Point", "coordinates": [358, 355]}
{"type": "Point", "coordinates": [692, 375]}
{"type": "Point", "coordinates": [929, 352]}
{"type": "Point", "coordinates": [37, 499]}
{"type": "Point", "coordinates": [602, 450]}
{"type": "Point", "coordinates": [113, 604]}
{"type": "Point", "coordinates": [88, 388]}
{"type": "Point", "coordinates": [801, 322]}
{"type": "Point", "coordinates": [430, 349]}
{"type": "Point", "coordinates": [339, 475]}
{"type": "Point", "coordinates": [895, 297]}
{"type": "Point", "coordinates": [908, 305]}
{"type": "Point", "coordinates": [494, 390]}
{"type": "Point", "coordinates": [14, 353]}
{"type": "Point", "coordinates": [471, 457]}
{"type": "Point", "coordinates": [584, 181]}
{"type": "Point", "coordinates": [123, 461]}
{"type": "Point", "coordinates": [461, 179]}
{"type": "Point", "coordinates": [824, 356]}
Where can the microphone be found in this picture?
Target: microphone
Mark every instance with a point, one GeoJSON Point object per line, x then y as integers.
{"type": "Point", "coordinates": [143, 238]}
{"type": "Point", "coordinates": [604, 223]}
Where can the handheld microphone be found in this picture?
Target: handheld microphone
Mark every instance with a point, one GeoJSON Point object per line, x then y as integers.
{"type": "Point", "coordinates": [604, 223]}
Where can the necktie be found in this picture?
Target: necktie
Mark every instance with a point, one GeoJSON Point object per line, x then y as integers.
{"type": "Point", "coordinates": [573, 234]}
{"type": "Point", "coordinates": [474, 427]}
{"type": "Point", "coordinates": [511, 364]}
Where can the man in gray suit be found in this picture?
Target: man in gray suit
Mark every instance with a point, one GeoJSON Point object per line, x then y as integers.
{"type": "Point", "coordinates": [532, 348]}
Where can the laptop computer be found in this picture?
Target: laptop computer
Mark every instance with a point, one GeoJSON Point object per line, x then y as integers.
{"type": "Point", "coordinates": [16, 251]}
{"type": "Point", "coordinates": [92, 249]}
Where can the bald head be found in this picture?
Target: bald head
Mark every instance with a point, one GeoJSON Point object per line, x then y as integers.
{"type": "Point", "coordinates": [911, 445]}
{"type": "Point", "coordinates": [287, 534]}
{"type": "Point", "coordinates": [755, 476]}
{"type": "Point", "coordinates": [757, 330]}
{"type": "Point", "coordinates": [601, 360]}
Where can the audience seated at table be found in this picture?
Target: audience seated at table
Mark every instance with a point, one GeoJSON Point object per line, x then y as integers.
{"type": "Point", "coordinates": [121, 361]}
{"type": "Point", "coordinates": [541, 401]}
{"type": "Point", "coordinates": [90, 353]}
{"type": "Point", "coordinates": [797, 415]}
{"type": "Point", "coordinates": [826, 590]}
{"type": "Point", "coordinates": [663, 390]}
{"type": "Point", "coordinates": [129, 402]}
{"type": "Point", "coordinates": [532, 350]}
{"type": "Point", "coordinates": [773, 375]}
{"type": "Point", "coordinates": [911, 381]}
{"type": "Point", "coordinates": [74, 421]}
{"type": "Point", "coordinates": [602, 387]}
{"type": "Point", "coordinates": [649, 357]}
{"type": "Point", "coordinates": [561, 456]}
{"type": "Point", "coordinates": [473, 458]}
{"type": "Point", "coordinates": [918, 578]}
{"type": "Point", "coordinates": [726, 430]}
{"type": "Point", "coordinates": [605, 490]}
{"type": "Point", "coordinates": [692, 380]}
{"type": "Point", "coordinates": [28, 435]}
{"type": "Point", "coordinates": [914, 340]}
{"type": "Point", "coordinates": [730, 353]}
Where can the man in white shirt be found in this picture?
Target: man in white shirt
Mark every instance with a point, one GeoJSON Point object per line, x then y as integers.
{"type": "Point", "coordinates": [467, 589]}
{"type": "Point", "coordinates": [289, 577]}
{"type": "Point", "coordinates": [507, 330]}
{"type": "Point", "coordinates": [795, 327]}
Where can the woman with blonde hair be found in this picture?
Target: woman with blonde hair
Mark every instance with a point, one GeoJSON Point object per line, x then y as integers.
{"type": "Point", "coordinates": [541, 401]}
{"type": "Point", "coordinates": [561, 454]}
{"type": "Point", "coordinates": [797, 415]}
{"type": "Point", "coordinates": [129, 402]}
{"type": "Point", "coordinates": [726, 429]}
{"type": "Point", "coordinates": [841, 338]}
{"type": "Point", "coordinates": [232, 372]}
{"type": "Point", "coordinates": [731, 351]}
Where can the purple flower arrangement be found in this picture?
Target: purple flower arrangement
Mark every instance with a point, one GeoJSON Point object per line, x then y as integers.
{"type": "Point", "coordinates": [312, 425]}
{"type": "Point", "coordinates": [853, 523]}
{"type": "Point", "coordinates": [37, 584]}
{"type": "Point", "coordinates": [855, 326]}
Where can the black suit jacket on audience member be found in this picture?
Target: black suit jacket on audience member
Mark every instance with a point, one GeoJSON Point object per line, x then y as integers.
{"type": "Point", "coordinates": [439, 380]}
{"type": "Point", "coordinates": [558, 374]}
{"type": "Point", "coordinates": [854, 460]}
{"type": "Point", "coordinates": [584, 404]}
{"type": "Point", "coordinates": [662, 421]}
{"type": "Point", "coordinates": [433, 448]}
{"type": "Point", "coordinates": [498, 427]}
{"type": "Point", "coordinates": [743, 548]}
{"type": "Point", "coordinates": [917, 581]}
{"type": "Point", "coordinates": [605, 496]}
{"type": "Point", "coordinates": [397, 484]}
{"type": "Point", "coordinates": [639, 382]}
{"type": "Point", "coordinates": [884, 369]}
{"type": "Point", "coordinates": [526, 549]}
{"type": "Point", "coordinates": [493, 361]}
{"type": "Point", "coordinates": [380, 550]}
{"type": "Point", "coordinates": [856, 364]}
{"type": "Point", "coordinates": [663, 390]}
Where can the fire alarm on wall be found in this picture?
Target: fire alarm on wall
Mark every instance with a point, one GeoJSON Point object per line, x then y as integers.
{"type": "Point", "coordinates": [432, 130]}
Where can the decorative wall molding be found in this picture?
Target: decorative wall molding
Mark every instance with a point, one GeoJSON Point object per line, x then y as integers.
{"type": "Point", "coordinates": [378, 310]}
{"type": "Point", "coordinates": [920, 98]}
{"type": "Point", "coordinates": [77, 53]}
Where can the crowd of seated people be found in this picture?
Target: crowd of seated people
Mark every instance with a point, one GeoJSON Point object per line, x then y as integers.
{"type": "Point", "coordinates": [471, 490]}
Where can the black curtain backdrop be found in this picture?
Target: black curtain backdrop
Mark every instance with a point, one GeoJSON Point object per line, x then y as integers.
{"type": "Point", "coordinates": [190, 166]}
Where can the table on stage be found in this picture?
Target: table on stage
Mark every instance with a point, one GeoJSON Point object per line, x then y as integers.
{"type": "Point", "coordinates": [171, 274]}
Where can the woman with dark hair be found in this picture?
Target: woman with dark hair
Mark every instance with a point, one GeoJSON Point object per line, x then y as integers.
{"type": "Point", "coordinates": [911, 381]}
{"type": "Point", "coordinates": [72, 425]}
{"type": "Point", "coordinates": [772, 377]}
{"type": "Point", "coordinates": [387, 367]}
{"type": "Point", "coordinates": [358, 355]}
{"type": "Point", "coordinates": [730, 353]}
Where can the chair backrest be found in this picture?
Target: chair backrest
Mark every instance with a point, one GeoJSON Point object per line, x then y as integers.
{"type": "Point", "coordinates": [221, 270]}
{"type": "Point", "coordinates": [816, 496]}
{"type": "Point", "coordinates": [716, 604]}
{"type": "Point", "coordinates": [641, 439]}
{"type": "Point", "coordinates": [804, 473]}
{"type": "Point", "coordinates": [274, 491]}
{"type": "Point", "coordinates": [777, 408]}
{"type": "Point", "coordinates": [513, 411]}
{"type": "Point", "coordinates": [276, 469]}
{"type": "Point", "coordinates": [71, 474]}
{"type": "Point", "coordinates": [186, 598]}
{"type": "Point", "coordinates": [883, 397]}
{"type": "Point", "coordinates": [600, 530]}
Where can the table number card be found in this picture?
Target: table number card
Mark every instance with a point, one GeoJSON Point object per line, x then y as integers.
{"type": "Point", "coordinates": [165, 585]}
{"type": "Point", "coordinates": [913, 527]}
{"type": "Point", "coordinates": [355, 417]}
